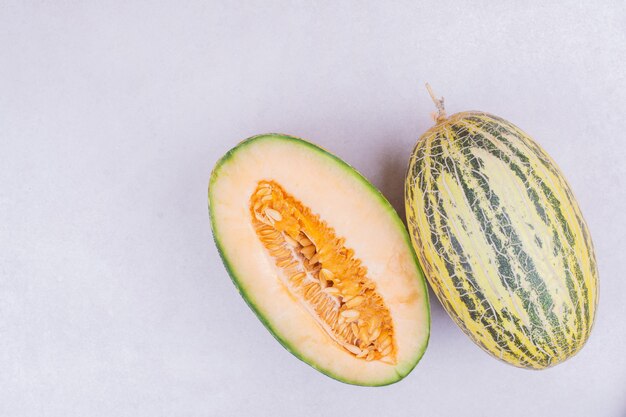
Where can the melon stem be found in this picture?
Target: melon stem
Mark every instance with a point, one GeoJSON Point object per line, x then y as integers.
{"type": "Point", "coordinates": [441, 111]}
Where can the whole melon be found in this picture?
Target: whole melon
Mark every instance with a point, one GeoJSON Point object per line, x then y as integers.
{"type": "Point", "coordinates": [501, 239]}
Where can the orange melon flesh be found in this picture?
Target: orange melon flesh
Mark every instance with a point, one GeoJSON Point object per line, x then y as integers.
{"type": "Point", "coordinates": [322, 259]}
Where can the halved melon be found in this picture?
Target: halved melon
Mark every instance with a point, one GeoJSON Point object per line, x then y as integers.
{"type": "Point", "coordinates": [321, 257]}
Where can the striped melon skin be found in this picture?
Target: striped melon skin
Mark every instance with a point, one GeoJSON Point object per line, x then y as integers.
{"type": "Point", "coordinates": [502, 240]}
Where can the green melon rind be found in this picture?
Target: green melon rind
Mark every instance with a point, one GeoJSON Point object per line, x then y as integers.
{"type": "Point", "coordinates": [401, 370]}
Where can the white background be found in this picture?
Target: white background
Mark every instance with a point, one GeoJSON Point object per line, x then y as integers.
{"type": "Point", "coordinates": [113, 300]}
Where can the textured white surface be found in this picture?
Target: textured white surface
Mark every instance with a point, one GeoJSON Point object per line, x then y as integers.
{"type": "Point", "coordinates": [113, 300]}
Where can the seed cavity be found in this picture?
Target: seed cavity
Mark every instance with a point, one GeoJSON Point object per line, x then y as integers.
{"type": "Point", "coordinates": [323, 274]}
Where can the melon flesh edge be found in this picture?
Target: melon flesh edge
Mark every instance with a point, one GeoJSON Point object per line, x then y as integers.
{"type": "Point", "coordinates": [357, 212]}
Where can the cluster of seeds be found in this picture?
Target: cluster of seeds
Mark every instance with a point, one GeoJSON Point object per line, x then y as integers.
{"type": "Point", "coordinates": [323, 274]}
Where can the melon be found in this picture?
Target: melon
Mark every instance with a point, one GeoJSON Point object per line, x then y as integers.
{"type": "Point", "coordinates": [501, 239]}
{"type": "Point", "coordinates": [321, 257]}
